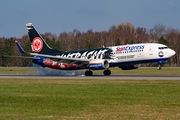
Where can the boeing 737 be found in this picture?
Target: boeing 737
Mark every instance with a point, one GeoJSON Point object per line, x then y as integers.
{"type": "Point", "coordinates": [125, 57]}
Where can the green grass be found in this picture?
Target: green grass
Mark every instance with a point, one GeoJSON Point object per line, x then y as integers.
{"type": "Point", "coordinates": [30, 99]}
{"type": "Point", "coordinates": [16, 70]}
{"type": "Point", "coordinates": [114, 71]}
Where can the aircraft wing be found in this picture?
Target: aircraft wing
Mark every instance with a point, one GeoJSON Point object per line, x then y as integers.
{"type": "Point", "coordinates": [60, 58]}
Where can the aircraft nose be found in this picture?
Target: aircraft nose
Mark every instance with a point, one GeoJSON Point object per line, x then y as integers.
{"type": "Point", "coordinates": [172, 52]}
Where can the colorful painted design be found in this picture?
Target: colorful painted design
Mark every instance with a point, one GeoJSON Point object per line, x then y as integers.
{"type": "Point", "coordinates": [37, 44]}
{"type": "Point", "coordinates": [56, 65]}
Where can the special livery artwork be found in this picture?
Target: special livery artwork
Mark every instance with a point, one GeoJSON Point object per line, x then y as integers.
{"type": "Point", "coordinates": [54, 64]}
{"type": "Point", "coordinates": [37, 44]}
{"type": "Point", "coordinates": [125, 57]}
{"type": "Point", "coordinates": [99, 53]}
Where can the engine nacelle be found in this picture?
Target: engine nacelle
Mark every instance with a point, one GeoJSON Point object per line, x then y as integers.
{"type": "Point", "coordinates": [128, 67]}
{"type": "Point", "coordinates": [98, 64]}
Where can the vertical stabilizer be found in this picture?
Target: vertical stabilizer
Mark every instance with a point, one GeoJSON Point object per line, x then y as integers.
{"type": "Point", "coordinates": [38, 44]}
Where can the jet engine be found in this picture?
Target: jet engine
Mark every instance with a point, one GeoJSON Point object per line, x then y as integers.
{"type": "Point", "coordinates": [98, 64]}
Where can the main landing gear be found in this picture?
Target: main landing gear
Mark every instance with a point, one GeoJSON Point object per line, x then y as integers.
{"type": "Point", "coordinates": [90, 73]}
{"type": "Point", "coordinates": [107, 72]}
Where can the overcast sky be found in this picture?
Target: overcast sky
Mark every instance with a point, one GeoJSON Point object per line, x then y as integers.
{"type": "Point", "coordinates": [57, 16]}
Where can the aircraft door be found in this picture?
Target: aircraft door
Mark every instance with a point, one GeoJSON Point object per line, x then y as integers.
{"type": "Point", "coordinates": [151, 50]}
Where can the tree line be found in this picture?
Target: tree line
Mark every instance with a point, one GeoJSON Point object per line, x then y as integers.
{"type": "Point", "coordinates": [124, 33]}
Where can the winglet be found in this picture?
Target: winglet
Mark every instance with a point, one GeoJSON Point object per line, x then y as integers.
{"type": "Point", "coordinates": [19, 47]}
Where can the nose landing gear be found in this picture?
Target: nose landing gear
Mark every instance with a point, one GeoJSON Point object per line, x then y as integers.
{"type": "Point", "coordinates": [159, 67]}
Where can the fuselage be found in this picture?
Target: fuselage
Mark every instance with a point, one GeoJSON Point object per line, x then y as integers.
{"type": "Point", "coordinates": [115, 56]}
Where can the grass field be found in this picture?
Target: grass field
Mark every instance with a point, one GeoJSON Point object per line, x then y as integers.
{"type": "Point", "coordinates": [31, 99]}
{"type": "Point", "coordinates": [88, 99]}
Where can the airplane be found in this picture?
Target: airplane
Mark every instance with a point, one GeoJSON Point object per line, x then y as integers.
{"type": "Point", "coordinates": [126, 57]}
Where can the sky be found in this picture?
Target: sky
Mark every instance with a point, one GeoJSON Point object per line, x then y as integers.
{"type": "Point", "coordinates": [57, 16]}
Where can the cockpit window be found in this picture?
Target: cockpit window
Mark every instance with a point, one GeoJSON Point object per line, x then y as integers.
{"type": "Point", "coordinates": [161, 48]}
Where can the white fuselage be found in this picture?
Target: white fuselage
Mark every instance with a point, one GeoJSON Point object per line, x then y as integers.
{"type": "Point", "coordinates": [140, 52]}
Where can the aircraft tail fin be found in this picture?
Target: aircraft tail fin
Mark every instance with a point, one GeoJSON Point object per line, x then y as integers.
{"type": "Point", "coordinates": [38, 44]}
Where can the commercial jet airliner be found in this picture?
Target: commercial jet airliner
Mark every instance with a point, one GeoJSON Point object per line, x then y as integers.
{"type": "Point", "coordinates": [125, 57]}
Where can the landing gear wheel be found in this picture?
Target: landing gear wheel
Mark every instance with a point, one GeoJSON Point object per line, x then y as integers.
{"type": "Point", "coordinates": [107, 72]}
{"type": "Point", "coordinates": [88, 73]}
{"type": "Point", "coordinates": [159, 67]}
